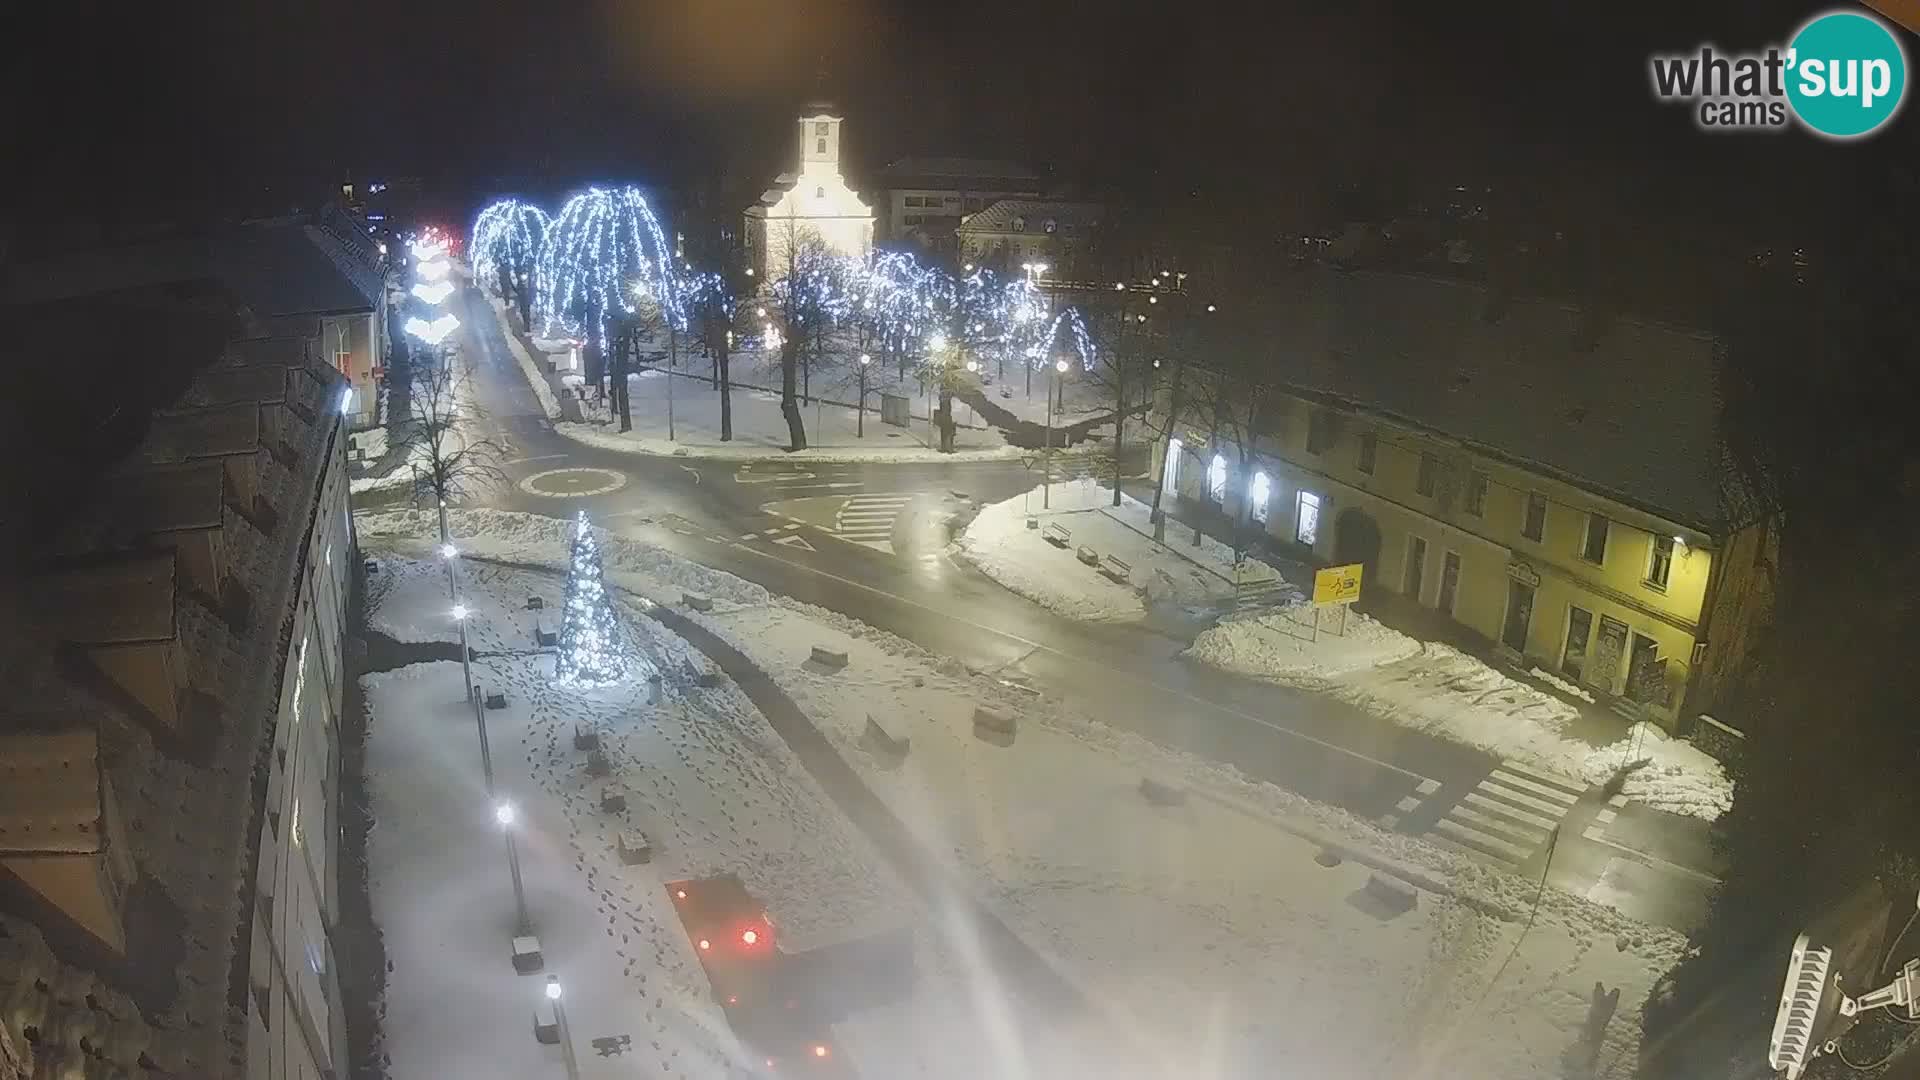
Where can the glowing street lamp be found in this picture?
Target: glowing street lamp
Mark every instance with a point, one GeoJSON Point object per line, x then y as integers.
{"type": "Point", "coordinates": [1046, 479]}
{"type": "Point", "coordinates": [503, 813]}
{"type": "Point", "coordinates": [560, 1021]}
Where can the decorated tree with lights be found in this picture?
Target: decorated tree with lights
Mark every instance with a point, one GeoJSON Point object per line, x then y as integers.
{"type": "Point", "coordinates": [507, 239]}
{"type": "Point", "coordinates": [605, 252]}
{"type": "Point", "coordinates": [593, 647]}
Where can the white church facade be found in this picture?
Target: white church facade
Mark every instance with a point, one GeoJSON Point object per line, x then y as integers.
{"type": "Point", "coordinates": [815, 199]}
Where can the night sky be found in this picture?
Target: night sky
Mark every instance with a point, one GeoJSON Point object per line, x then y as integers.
{"type": "Point", "coordinates": [241, 106]}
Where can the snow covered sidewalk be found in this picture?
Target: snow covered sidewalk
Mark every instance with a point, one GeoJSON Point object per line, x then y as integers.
{"type": "Point", "coordinates": [1043, 565]}
{"type": "Point", "coordinates": [1444, 692]}
{"type": "Point", "coordinates": [707, 783]}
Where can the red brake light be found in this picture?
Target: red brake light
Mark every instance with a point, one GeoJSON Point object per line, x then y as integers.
{"type": "Point", "coordinates": [679, 894]}
{"type": "Point", "coordinates": [749, 937]}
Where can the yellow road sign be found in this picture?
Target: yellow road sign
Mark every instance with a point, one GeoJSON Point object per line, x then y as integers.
{"type": "Point", "coordinates": [1337, 584]}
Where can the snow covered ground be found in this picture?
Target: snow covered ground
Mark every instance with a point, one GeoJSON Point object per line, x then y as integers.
{"type": "Point", "coordinates": [1440, 690]}
{"type": "Point", "coordinates": [1175, 574]}
{"type": "Point", "coordinates": [1207, 936]}
{"type": "Point", "coordinates": [760, 429]}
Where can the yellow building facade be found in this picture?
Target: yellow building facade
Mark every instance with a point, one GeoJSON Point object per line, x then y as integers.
{"type": "Point", "coordinates": [1580, 576]}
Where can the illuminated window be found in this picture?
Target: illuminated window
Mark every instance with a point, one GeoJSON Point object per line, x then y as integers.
{"type": "Point", "coordinates": [1050, 225]}
{"type": "Point", "coordinates": [1170, 473]}
{"type": "Point", "coordinates": [1257, 495]}
{"type": "Point", "coordinates": [1217, 479]}
{"type": "Point", "coordinates": [1306, 522]}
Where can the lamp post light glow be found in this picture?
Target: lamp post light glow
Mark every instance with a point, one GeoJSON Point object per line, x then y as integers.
{"type": "Point", "coordinates": [448, 551]}
{"type": "Point", "coordinates": [560, 1021]}
{"type": "Point", "coordinates": [503, 813]}
{"type": "Point", "coordinates": [460, 611]}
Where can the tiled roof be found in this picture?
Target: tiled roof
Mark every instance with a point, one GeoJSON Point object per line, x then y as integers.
{"type": "Point", "coordinates": [50, 793]}
{"type": "Point", "coordinates": [291, 268]}
{"type": "Point", "coordinates": [1627, 409]}
{"type": "Point", "coordinates": [1073, 217]}
{"type": "Point", "coordinates": [956, 168]}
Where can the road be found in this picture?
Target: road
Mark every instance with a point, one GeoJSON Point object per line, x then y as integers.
{"type": "Point", "coordinates": [867, 540]}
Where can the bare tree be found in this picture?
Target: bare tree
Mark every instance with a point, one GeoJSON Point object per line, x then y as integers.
{"type": "Point", "coordinates": [802, 301]}
{"type": "Point", "coordinates": [443, 446]}
{"type": "Point", "coordinates": [1130, 333]}
{"type": "Point", "coordinates": [1234, 384]}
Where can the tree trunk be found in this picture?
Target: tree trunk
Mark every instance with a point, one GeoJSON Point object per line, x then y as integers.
{"type": "Point", "coordinates": [505, 274]}
{"type": "Point", "coordinates": [623, 363]}
{"type": "Point", "coordinates": [944, 417]}
{"type": "Point", "coordinates": [1119, 425]}
{"type": "Point", "coordinates": [789, 385]}
{"type": "Point", "coordinates": [725, 381]}
{"type": "Point", "coordinates": [1166, 444]}
{"type": "Point", "coordinates": [524, 293]}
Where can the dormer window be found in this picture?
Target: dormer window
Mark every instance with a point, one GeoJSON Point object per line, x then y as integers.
{"type": "Point", "coordinates": [1051, 225]}
{"type": "Point", "coordinates": [820, 128]}
{"type": "Point", "coordinates": [820, 192]}
{"type": "Point", "coordinates": [1019, 223]}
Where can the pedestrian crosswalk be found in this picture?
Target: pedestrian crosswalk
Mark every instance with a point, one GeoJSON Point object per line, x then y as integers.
{"type": "Point", "coordinates": [1509, 815]}
{"type": "Point", "coordinates": [867, 519]}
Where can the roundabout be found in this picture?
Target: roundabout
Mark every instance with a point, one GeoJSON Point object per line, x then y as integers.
{"type": "Point", "coordinates": [573, 483]}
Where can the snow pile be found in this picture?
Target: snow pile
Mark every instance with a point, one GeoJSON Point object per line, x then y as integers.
{"type": "Point", "coordinates": [1439, 690]}
{"type": "Point", "coordinates": [534, 540]}
{"type": "Point", "coordinates": [1284, 646]}
{"type": "Point", "coordinates": [1666, 772]}
{"type": "Point", "coordinates": [533, 371]}
{"type": "Point", "coordinates": [1195, 579]}
{"type": "Point", "coordinates": [1568, 688]}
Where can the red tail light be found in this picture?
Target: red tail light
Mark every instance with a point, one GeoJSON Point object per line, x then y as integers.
{"type": "Point", "coordinates": [749, 937]}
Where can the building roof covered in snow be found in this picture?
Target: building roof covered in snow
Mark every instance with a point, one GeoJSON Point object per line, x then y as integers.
{"type": "Point", "coordinates": [292, 266]}
{"type": "Point", "coordinates": [1034, 216]}
{"type": "Point", "coordinates": [177, 688]}
{"type": "Point", "coordinates": [958, 172]}
{"type": "Point", "coordinates": [1621, 407]}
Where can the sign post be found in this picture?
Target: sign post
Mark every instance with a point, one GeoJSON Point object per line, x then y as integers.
{"type": "Point", "coordinates": [1338, 585]}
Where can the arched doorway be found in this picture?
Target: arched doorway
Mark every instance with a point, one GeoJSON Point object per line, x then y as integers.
{"type": "Point", "coordinates": [1356, 539]}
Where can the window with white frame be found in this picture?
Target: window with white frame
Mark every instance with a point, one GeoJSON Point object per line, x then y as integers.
{"type": "Point", "coordinates": [1170, 469]}
{"type": "Point", "coordinates": [1660, 561]}
{"type": "Point", "coordinates": [1217, 479]}
{"type": "Point", "coordinates": [1594, 547]}
{"type": "Point", "coordinates": [1306, 519]}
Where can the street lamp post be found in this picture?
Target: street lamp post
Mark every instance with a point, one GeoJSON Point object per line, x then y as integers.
{"type": "Point", "coordinates": [460, 613]}
{"type": "Point", "coordinates": [560, 1021]}
{"type": "Point", "coordinates": [1046, 482]}
{"type": "Point", "coordinates": [503, 813]}
{"type": "Point", "coordinates": [860, 417]}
